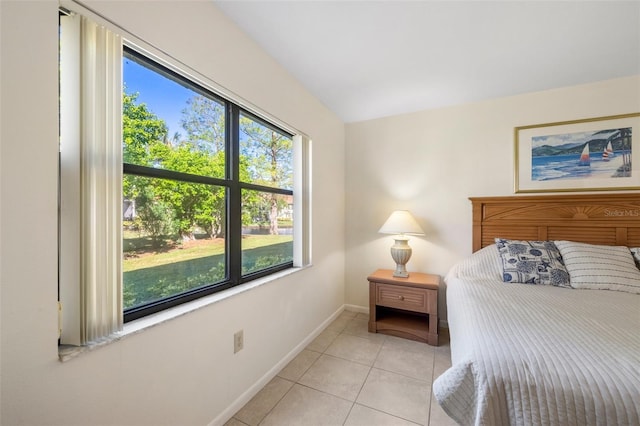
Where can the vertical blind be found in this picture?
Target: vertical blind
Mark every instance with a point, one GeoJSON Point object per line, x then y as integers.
{"type": "Point", "coordinates": [101, 181]}
{"type": "Point", "coordinates": [90, 180]}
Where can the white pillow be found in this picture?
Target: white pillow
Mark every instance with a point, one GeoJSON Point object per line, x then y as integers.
{"type": "Point", "coordinates": [600, 267]}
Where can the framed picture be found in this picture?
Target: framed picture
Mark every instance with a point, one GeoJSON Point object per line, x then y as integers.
{"type": "Point", "coordinates": [595, 154]}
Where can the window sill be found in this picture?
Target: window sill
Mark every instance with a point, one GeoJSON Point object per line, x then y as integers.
{"type": "Point", "coordinates": [68, 352]}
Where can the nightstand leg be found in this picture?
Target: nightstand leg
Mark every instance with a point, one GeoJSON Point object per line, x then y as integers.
{"type": "Point", "coordinates": [372, 308]}
{"type": "Point", "coordinates": [433, 330]}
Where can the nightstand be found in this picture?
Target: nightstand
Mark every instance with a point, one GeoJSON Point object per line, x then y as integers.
{"type": "Point", "coordinates": [404, 307]}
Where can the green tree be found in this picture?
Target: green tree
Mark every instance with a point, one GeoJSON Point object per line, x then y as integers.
{"type": "Point", "coordinates": [142, 133]}
{"type": "Point", "coordinates": [155, 215]}
{"type": "Point", "coordinates": [203, 121]}
{"type": "Point", "coordinates": [269, 155]}
{"type": "Point", "coordinates": [166, 205]}
{"type": "Point", "coordinates": [194, 205]}
{"type": "Point", "coordinates": [141, 129]}
{"type": "Point", "coordinates": [203, 153]}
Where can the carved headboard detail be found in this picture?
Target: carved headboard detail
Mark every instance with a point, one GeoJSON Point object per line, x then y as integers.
{"type": "Point", "coordinates": [612, 219]}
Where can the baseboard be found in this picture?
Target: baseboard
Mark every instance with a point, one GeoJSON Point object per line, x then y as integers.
{"type": "Point", "coordinates": [242, 400]}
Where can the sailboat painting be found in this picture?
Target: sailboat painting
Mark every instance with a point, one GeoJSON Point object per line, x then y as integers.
{"type": "Point", "coordinates": [581, 155]}
{"type": "Point", "coordinates": [585, 160]}
{"type": "Point", "coordinates": [607, 154]}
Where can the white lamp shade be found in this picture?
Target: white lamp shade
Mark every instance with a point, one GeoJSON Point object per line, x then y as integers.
{"type": "Point", "coordinates": [401, 222]}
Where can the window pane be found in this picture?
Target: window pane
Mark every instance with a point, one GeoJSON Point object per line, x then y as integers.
{"type": "Point", "coordinates": [267, 232]}
{"type": "Point", "coordinates": [170, 124]}
{"type": "Point", "coordinates": [266, 155]}
{"type": "Point", "coordinates": [173, 238]}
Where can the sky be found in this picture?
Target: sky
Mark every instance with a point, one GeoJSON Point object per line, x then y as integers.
{"type": "Point", "coordinates": [164, 97]}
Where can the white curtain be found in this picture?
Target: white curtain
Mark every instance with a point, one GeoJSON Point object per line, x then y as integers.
{"type": "Point", "coordinates": [100, 181]}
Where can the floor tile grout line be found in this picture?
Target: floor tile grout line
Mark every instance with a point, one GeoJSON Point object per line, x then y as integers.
{"type": "Point", "coordinates": [297, 381]}
{"type": "Point", "coordinates": [305, 371]}
{"type": "Point", "coordinates": [408, 377]}
{"type": "Point", "coordinates": [430, 383]}
{"type": "Point", "coordinates": [361, 386]}
{"type": "Point", "coordinates": [433, 372]}
{"type": "Point", "coordinates": [400, 374]}
{"type": "Point", "coordinates": [344, 359]}
{"type": "Point", "coordinates": [349, 413]}
{"type": "Point", "coordinates": [278, 402]}
{"type": "Point", "coordinates": [386, 412]}
{"type": "Point", "coordinates": [371, 367]}
{"type": "Point", "coordinates": [363, 382]}
{"type": "Point", "coordinates": [403, 374]}
{"type": "Point", "coordinates": [383, 343]}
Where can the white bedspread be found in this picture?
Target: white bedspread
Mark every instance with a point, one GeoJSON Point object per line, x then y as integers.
{"type": "Point", "coordinates": [538, 355]}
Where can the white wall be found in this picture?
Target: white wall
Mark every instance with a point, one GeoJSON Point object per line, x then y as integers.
{"type": "Point", "coordinates": [430, 162]}
{"type": "Point", "coordinates": [184, 371]}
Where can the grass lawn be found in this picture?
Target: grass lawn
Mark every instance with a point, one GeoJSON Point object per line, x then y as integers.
{"type": "Point", "coordinates": [152, 273]}
{"type": "Point", "coordinates": [172, 271]}
{"type": "Point", "coordinates": [146, 257]}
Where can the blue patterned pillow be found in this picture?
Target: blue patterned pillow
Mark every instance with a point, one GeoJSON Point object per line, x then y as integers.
{"type": "Point", "coordinates": [532, 262]}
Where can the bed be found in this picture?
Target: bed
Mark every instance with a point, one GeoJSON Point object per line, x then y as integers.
{"type": "Point", "coordinates": [544, 354]}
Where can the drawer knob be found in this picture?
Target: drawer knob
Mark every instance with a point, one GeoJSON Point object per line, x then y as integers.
{"type": "Point", "coordinates": [401, 297]}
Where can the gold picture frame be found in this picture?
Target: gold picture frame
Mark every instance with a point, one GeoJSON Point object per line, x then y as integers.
{"type": "Point", "coordinates": [594, 154]}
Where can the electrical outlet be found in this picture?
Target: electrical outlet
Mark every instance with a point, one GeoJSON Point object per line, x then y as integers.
{"type": "Point", "coordinates": [238, 341]}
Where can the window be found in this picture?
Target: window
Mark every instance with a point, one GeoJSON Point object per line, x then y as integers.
{"type": "Point", "coordinates": [205, 185]}
{"type": "Point", "coordinates": [192, 160]}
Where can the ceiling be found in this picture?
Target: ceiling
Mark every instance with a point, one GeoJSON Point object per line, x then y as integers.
{"type": "Point", "coordinates": [370, 59]}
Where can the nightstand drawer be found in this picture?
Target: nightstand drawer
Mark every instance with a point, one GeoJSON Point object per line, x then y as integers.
{"type": "Point", "coordinates": [407, 298]}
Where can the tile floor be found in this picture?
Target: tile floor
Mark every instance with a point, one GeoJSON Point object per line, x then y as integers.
{"type": "Point", "coordinates": [348, 376]}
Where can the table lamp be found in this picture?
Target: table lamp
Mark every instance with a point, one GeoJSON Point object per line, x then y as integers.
{"type": "Point", "coordinates": [401, 223]}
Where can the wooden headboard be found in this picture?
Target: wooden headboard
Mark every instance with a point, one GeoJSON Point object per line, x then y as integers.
{"type": "Point", "coordinates": [612, 219]}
